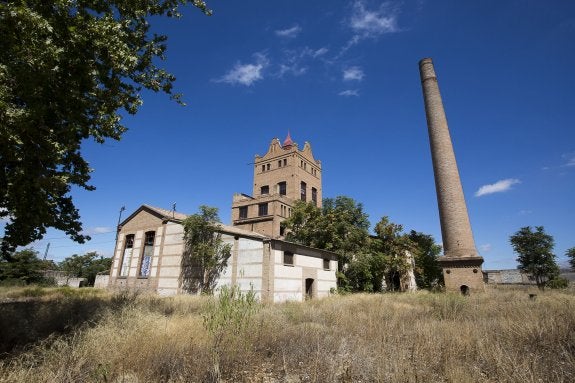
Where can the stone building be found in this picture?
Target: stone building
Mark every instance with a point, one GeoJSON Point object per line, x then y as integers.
{"type": "Point", "coordinates": [150, 244]}
{"type": "Point", "coordinates": [282, 176]}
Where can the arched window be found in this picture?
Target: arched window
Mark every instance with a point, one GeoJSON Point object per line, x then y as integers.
{"type": "Point", "coordinates": [127, 255]}
{"type": "Point", "coordinates": [147, 254]}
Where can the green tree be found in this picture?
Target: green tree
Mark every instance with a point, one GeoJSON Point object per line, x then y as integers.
{"type": "Point", "coordinates": [67, 67]}
{"type": "Point", "coordinates": [535, 254]}
{"type": "Point", "coordinates": [340, 226]}
{"type": "Point", "coordinates": [205, 254]}
{"type": "Point", "coordinates": [85, 266]}
{"type": "Point", "coordinates": [428, 272]}
{"type": "Point", "coordinates": [24, 267]}
{"type": "Point", "coordinates": [391, 245]}
{"type": "Point", "coordinates": [570, 253]}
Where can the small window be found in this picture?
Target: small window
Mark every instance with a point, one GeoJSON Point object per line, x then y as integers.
{"type": "Point", "coordinates": [303, 187]}
{"type": "Point", "coordinates": [243, 212]}
{"type": "Point", "coordinates": [301, 164]}
{"type": "Point", "coordinates": [282, 186]}
{"type": "Point", "coordinates": [326, 264]}
{"type": "Point", "coordinates": [267, 166]}
{"type": "Point", "coordinates": [304, 165]}
{"type": "Point", "coordinates": [282, 230]}
{"type": "Point", "coordinates": [285, 161]}
{"type": "Point", "coordinates": [279, 163]}
{"type": "Point", "coordinates": [263, 168]}
{"type": "Point", "coordinates": [265, 189]}
{"type": "Point", "coordinates": [314, 196]}
{"type": "Point", "coordinates": [288, 258]}
{"type": "Point", "coordinates": [262, 209]}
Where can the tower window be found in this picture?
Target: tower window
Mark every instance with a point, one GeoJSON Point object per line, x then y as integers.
{"type": "Point", "coordinates": [263, 168]}
{"type": "Point", "coordinates": [265, 189]}
{"type": "Point", "coordinates": [314, 196]}
{"type": "Point", "coordinates": [279, 163]}
{"type": "Point", "coordinates": [285, 161]}
{"type": "Point", "coordinates": [262, 209]}
{"type": "Point", "coordinates": [243, 212]}
{"type": "Point", "coordinates": [267, 166]}
{"type": "Point", "coordinates": [282, 188]}
{"type": "Point", "coordinates": [303, 187]}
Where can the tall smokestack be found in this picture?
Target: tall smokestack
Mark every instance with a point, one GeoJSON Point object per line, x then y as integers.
{"type": "Point", "coordinates": [461, 263]}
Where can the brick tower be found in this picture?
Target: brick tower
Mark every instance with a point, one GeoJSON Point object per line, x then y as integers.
{"type": "Point", "coordinates": [282, 176]}
{"type": "Point", "coordinates": [461, 263]}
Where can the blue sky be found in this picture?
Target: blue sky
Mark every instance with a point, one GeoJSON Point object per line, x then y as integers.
{"type": "Point", "coordinates": [343, 75]}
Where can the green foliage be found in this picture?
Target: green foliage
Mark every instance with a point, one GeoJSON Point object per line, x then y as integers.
{"type": "Point", "coordinates": [67, 68]}
{"type": "Point", "coordinates": [23, 268]}
{"type": "Point", "coordinates": [570, 253]}
{"type": "Point", "coordinates": [535, 254]}
{"type": "Point", "coordinates": [557, 283]}
{"type": "Point", "coordinates": [428, 272]}
{"type": "Point", "coordinates": [205, 255]}
{"type": "Point", "coordinates": [85, 266]}
{"type": "Point", "coordinates": [340, 226]}
{"type": "Point", "coordinates": [225, 317]}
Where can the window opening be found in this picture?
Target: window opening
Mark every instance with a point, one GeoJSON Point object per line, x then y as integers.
{"type": "Point", "coordinates": [127, 255]}
{"type": "Point", "coordinates": [262, 209]}
{"type": "Point", "coordinates": [243, 212]}
{"type": "Point", "coordinates": [147, 254]}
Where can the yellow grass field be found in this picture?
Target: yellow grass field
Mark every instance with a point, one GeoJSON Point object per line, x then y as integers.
{"type": "Point", "coordinates": [498, 336]}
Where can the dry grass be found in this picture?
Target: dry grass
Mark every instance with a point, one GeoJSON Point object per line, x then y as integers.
{"type": "Point", "coordinates": [499, 336]}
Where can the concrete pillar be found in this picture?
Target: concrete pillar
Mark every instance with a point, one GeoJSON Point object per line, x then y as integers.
{"type": "Point", "coordinates": [458, 244]}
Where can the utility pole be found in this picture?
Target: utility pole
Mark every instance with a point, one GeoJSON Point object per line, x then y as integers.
{"type": "Point", "coordinates": [119, 219]}
{"type": "Point", "coordinates": [46, 252]}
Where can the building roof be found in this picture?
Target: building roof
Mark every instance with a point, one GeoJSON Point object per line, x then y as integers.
{"type": "Point", "coordinates": [288, 142]}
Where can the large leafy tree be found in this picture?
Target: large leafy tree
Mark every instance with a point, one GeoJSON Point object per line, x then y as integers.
{"type": "Point", "coordinates": [428, 272]}
{"type": "Point", "coordinates": [67, 67]}
{"type": "Point", "coordinates": [205, 254]}
{"type": "Point", "coordinates": [340, 226]}
{"type": "Point", "coordinates": [570, 253]}
{"type": "Point", "coordinates": [85, 266]}
{"type": "Point", "coordinates": [25, 267]}
{"type": "Point", "coordinates": [535, 253]}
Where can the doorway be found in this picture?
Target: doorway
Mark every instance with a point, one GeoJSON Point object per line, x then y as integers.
{"type": "Point", "coordinates": [308, 288]}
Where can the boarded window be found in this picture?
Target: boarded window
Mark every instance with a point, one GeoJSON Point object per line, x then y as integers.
{"type": "Point", "coordinates": [147, 254]}
{"type": "Point", "coordinates": [282, 186]}
{"type": "Point", "coordinates": [262, 209]}
{"type": "Point", "coordinates": [288, 258]}
{"type": "Point", "coordinates": [243, 212]}
{"type": "Point", "coordinates": [127, 255]}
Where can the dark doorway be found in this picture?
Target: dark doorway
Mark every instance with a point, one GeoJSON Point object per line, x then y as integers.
{"type": "Point", "coordinates": [464, 289]}
{"type": "Point", "coordinates": [308, 288]}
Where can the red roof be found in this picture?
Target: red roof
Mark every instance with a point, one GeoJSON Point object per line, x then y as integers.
{"type": "Point", "coordinates": [288, 143]}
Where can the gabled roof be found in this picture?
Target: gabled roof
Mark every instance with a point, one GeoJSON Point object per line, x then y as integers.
{"type": "Point", "coordinates": [167, 215]}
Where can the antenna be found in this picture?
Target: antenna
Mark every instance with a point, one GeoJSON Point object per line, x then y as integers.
{"type": "Point", "coordinates": [119, 219]}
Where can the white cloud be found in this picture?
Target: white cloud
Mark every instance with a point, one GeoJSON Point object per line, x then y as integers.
{"type": "Point", "coordinates": [98, 230]}
{"type": "Point", "coordinates": [319, 52]}
{"type": "Point", "coordinates": [373, 23]}
{"type": "Point", "coordinates": [246, 74]}
{"type": "Point", "coordinates": [289, 32]}
{"type": "Point", "coordinates": [349, 93]}
{"type": "Point", "coordinates": [569, 158]}
{"type": "Point", "coordinates": [497, 187]}
{"type": "Point", "coordinates": [293, 69]}
{"type": "Point", "coordinates": [485, 248]}
{"type": "Point", "coordinates": [353, 74]}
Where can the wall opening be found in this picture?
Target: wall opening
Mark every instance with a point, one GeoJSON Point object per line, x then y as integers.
{"type": "Point", "coordinates": [464, 289]}
{"type": "Point", "coordinates": [308, 288]}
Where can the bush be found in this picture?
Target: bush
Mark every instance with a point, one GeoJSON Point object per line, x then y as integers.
{"type": "Point", "coordinates": [557, 283]}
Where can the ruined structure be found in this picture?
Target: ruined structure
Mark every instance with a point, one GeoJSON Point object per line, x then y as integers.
{"type": "Point", "coordinates": [282, 176]}
{"type": "Point", "coordinates": [461, 263]}
{"type": "Point", "coordinates": [150, 242]}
